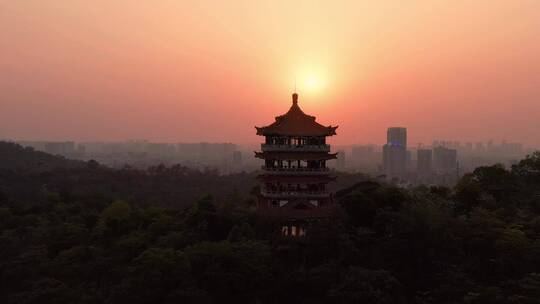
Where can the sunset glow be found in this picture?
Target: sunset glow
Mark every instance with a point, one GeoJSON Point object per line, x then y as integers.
{"type": "Point", "coordinates": [160, 70]}
{"type": "Point", "coordinates": [314, 83]}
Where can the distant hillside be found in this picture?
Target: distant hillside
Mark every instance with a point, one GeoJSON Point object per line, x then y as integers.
{"type": "Point", "coordinates": [16, 157]}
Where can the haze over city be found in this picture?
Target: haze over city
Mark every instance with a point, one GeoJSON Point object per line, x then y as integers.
{"type": "Point", "coordinates": [210, 71]}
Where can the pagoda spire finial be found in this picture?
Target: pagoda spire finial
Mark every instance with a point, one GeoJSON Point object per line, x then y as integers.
{"type": "Point", "coordinates": [295, 98]}
{"type": "Point", "coordinates": [295, 95]}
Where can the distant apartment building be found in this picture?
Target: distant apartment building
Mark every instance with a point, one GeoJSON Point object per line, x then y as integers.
{"type": "Point", "coordinates": [397, 136]}
{"type": "Point", "coordinates": [408, 161]}
{"type": "Point", "coordinates": [362, 152]}
{"type": "Point", "coordinates": [160, 150]}
{"type": "Point", "coordinates": [468, 148]}
{"type": "Point", "coordinates": [394, 160]}
{"type": "Point", "coordinates": [364, 157]}
{"type": "Point", "coordinates": [511, 149]}
{"type": "Point", "coordinates": [64, 148]}
{"type": "Point", "coordinates": [444, 160]}
{"type": "Point", "coordinates": [424, 162]}
{"type": "Point", "coordinates": [206, 152]}
{"type": "Point", "coordinates": [237, 158]}
{"type": "Point", "coordinates": [340, 165]}
{"type": "Point", "coordinates": [480, 147]}
{"type": "Point", "coordinates": [395, 152]}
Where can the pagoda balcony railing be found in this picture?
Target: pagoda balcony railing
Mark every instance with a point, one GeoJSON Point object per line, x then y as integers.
{"type": "Point", "coordinates": [292, 148]}
{"type": "Point", "coordinates": [285, 193]}
{"type": "Point", "coordinates": [298, 171]}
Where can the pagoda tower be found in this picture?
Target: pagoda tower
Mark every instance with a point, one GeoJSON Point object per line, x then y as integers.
{"type": "Point", "coordinates": [294, 176]}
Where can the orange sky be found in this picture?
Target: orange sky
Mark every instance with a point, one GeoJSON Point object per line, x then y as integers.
{"type": "Point", "coordinates": [211, 70]}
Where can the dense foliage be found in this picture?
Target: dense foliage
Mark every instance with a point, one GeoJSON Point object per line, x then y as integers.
{"type": "Point", "coordinates": [68, 237]}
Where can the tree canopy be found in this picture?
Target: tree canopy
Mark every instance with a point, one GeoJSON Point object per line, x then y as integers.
{"type": "Point", "coordinates": [91, 234]}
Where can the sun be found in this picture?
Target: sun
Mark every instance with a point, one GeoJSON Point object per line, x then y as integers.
{"type": "Point", "coordinates": [312, 83]}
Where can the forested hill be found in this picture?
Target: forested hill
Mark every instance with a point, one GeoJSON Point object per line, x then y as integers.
{"type": "Point", "coordinates": [27, 176]}
{"type": "Point", "coordinates": [17, 157]}
{"type": "Point", "coordinates": [98, 235]}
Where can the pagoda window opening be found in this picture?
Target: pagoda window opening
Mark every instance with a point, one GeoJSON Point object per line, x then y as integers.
{"type": "Point", "coordinates": [291, 164]}
{"type": "Point", "coordinates": [312, 164]}
{"type": "Point", "coordinates": [293, 230]}
{"type": "Point", "coordinates": [277, 140]}
{"type": "Point", "coordinates": [271, 187]}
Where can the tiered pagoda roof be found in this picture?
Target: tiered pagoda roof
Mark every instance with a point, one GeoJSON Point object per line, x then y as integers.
{"type": "Point", "coordinates": [293, 179]}
{"type": "Point", "coordinates": [296, 123]}
{"type": "Point", "coordinates": [309, 156]}
{"type": "Point", "coordinates": [301, 210]}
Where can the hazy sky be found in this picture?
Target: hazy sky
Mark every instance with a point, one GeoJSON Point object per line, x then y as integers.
{"type": "Point", "coordinates": [212, 70]}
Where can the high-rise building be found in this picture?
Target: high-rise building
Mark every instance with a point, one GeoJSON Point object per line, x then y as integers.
{"type": "Point", "coordinates": [394, 160]}
{"type": "Point", "coordinates": [237, 158]}
{"type": "Point", "coordinates": [363, 157]}
{"type": "Point", "coordinates": [294, 176]}
{"type": "Point", "coordinates": [424, 162]}
{"type": "Point", "coordinates": [397, 136]}
{"type": "Point", "coordinates": [444, 160]}
{"type": "Point", "coordinates": [468, 148]}
{"type": "Point", "coordinates": [395, 152]}
{"type": "Point", "coordinates": [480, 148]}
{"type": "Point", "coordinates": [341, 160]}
